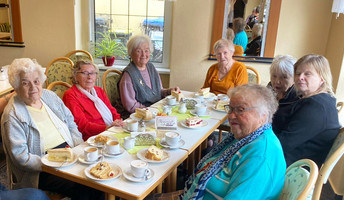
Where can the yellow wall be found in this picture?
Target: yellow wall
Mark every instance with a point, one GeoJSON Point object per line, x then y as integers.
{"type": "Point", "coordinates": [48, 31]}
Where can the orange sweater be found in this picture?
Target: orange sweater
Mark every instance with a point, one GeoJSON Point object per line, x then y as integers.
{"type": "Point", "coordinates": [237, 75]}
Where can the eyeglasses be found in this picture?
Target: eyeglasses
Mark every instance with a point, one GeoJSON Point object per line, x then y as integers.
{"type": "Point", "coordinates": [237, 110]}
{"type": "Point", "coordinates": [88, 73]}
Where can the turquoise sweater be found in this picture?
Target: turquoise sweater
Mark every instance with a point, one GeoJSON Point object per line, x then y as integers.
{"type": "Point", "coordinates": [255, 172]}
{"type": "Point", "coordinates": [241, 39]}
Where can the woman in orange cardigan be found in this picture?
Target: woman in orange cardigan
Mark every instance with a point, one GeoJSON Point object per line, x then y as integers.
{"type": "Point", "coordinates": [227, 73]}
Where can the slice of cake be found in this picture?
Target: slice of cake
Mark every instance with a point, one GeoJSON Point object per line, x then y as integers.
{"type": "Point", "coordinates": [204, 91]}
{"type": "Point", "coordinates": [102, 170]}
{"type": "Point", "coordinates": [154, 153]}
{"type": "Point", "coordinates": [178, 95]}
{"type": "Point", "coordinates": [144, 113]}
{"type": "Point", "coordinates": [220, 105]}
{"type": "Point", "coordinates": [60, 155]}
{"type": "Point", "coordinates": [193, 121]}
{"type": "Point", "coordinates": [101, 139]}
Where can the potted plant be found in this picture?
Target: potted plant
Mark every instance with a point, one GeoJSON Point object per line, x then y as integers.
{"type": "Point", "coordinates": [108, 48]}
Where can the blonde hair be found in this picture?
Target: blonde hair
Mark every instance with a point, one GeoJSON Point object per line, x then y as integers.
{"type": "Point", "coordinates": [230, 34]}
{"type": "Point", "coordinates": [24, 65]}
{"type": "Point", "coordinates": [321, 65]}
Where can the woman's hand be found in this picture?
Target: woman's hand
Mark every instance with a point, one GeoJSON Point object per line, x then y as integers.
{"type": "Point", "coordinates": [117, 122]}
{"type": "Point", "coordinates": [177, 89]}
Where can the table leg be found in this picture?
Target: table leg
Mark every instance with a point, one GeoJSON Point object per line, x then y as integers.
{"type": "Point", "coordinates": [191, 159]}
{"type": "Point", "coordinates": [168, 183]}
{"type": "Point", "coordinates": [110, 196]}
{"type": "Point", "coordinates": [174, 180]}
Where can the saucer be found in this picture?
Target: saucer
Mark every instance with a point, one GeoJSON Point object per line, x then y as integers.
{"type": "Point", "coordinates": [163, 143]}
{"type": "Point", "coordinates": [121, 151]}
{"type": "Point", "coordinates": [82, 160]}
{"type": "Point", "coordinates": [193, 112]}
{"type": "Point", "coordinates": [128, 175]}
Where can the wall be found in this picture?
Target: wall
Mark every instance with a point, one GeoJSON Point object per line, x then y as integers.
{"type": "Point", "coordinates": [303, 27]}
{"type": "Point", "coordinates": [48, 31]}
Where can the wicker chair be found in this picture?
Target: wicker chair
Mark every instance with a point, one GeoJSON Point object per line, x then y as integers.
{"type": "Point", "coordinates": [59, 87]}
{"type": "Point", "coordinates": [332, 158]}
{"type": "Point", "coordinates": [110, 80]}
{"type": "Point", "coordinates": [253, 75]}
{"type": "Point", "coordinates": [79, 55]}
{"type": "Point", "coordinates": [59, 69]}
{"type": "Point", "coordinates": [299, 183]}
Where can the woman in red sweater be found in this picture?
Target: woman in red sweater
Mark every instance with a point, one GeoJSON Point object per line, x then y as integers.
{"type": "Point", "coordinates": [92, 110]}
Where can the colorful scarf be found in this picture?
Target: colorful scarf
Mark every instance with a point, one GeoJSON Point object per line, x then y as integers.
{"type": "Point", "coordinates": [219, 163]}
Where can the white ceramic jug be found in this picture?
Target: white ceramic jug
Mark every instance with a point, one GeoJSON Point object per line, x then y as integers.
{"type": "Point", "coordinates": [182, 108]}
{"type": "Point", "coordinates": [128, 142]}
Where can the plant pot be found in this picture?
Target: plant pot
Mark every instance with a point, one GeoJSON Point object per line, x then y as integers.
{"type": "Point", "coordinates": [108, 61]}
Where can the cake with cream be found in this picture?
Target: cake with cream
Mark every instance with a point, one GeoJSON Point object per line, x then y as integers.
{"type": "Point", "coordinates": [144, 113]}
{"type": "Point", "coordinates": [60, 155]}
{"type": "Point", "coordinates": [102, 171]}
{"type": "Point", "coordinates": [204, 91]}
{"type": "Point", "coordinates": [154, 153]}
{"type": "Point", "coordinates": [101, 139]}
{"type": "Point", "coordinates": [178, 95]}
{"type": "Point", "coordinates": [220, 105]}
{"type": "Point", "coordinates": [193, 121]}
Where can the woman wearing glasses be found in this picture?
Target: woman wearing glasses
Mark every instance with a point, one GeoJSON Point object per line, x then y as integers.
{"type": "Point", "coordinates": [249, 163]}
{"type": "Point", "coordinates": [92, 110]}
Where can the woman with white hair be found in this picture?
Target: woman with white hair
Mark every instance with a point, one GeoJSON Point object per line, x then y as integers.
{"type": "Point", "coordinates": [34, 121]}
{"type": "Point", "coordinates": [226, 73]}
{"type": "Point", "coordinates": [312, 124]}
{"type": "Point", "coordinates": [282, 83]}
{"type": "Point", "coordinates": [140, 84]}
{"type": "Point", "coordinates": [253, 48]}
{"type": "Point", "coordinates": [249, 163]}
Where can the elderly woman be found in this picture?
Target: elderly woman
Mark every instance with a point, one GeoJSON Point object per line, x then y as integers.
{"type": "Point", "coordinates": [253, 48]}
{"type": "Point", "coordinates": [227, 73]}
{"type": "Point", "coordinates": [312, 124]}
{"type": "Point", "coordinates": [34, 121]}
{"type": "Point", "coordinates": [282, 83]}
{"type": "Point", "coordinates": [238, 50]}
{"type": "Point", "coordinates": [92, 110]}
{"type": "Point", "coordinates": [249, 163]}
{"type": "Point", "coordinates": [240, 34]}
{"type": "Point", "coordinates": [140, 84]}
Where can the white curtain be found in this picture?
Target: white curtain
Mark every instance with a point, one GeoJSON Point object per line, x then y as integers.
{"type": "Point", "coordinates": [338, 7]}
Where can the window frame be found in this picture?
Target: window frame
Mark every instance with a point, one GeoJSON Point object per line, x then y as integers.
{"type": "Point", "coordinates": [166, 40]}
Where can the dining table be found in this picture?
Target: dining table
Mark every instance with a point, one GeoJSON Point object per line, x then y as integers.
{"type": "Point", "coordinates": [163, 172]}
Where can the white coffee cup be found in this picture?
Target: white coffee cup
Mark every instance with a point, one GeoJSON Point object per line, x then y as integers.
{"type": "Point", "coordinates": [139, 168]}
{"type": "Point", "coordinates": [132, 125]}
{"type": "Point", "coordinates": [91, 154]}
{"type": "Point", "coordinates": [171, 100]}
{"type": "Point", "coordinates": [199, 98]}
{"type": "Point", "coordinates": [128, 142]}
{"type": "Point", "coordinates": [172, 138]}
{"type": "Point", "coordinates": [222, 97]}
{"type": "Point", "coordinates": [112, 147]}
{"type": "Point", "coordinates": [200, 109]}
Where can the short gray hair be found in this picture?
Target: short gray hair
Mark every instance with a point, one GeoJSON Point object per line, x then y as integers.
{"type": "Point", "coordinates": [24, 65]}
{"type": "Point", "coordinates": [78, 66]}
{"type": "Point", "coordinates": [284, 65]}
{"type": "Point", "coordinates": [257, 29]}
{"type": "Point", "coordinates": [136, 41]}
{"type": "Point", "coordinates": [223, 43]}
{"type": "Point", "coordinates": [264, 99]}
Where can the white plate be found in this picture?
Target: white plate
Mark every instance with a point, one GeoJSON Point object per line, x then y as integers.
{"type": "Point", "coordinates": [90, 140]}
{"type": "Point", "coordinates": [116, 169]}
{"type": "Point", "coordinates": [153, 110]}
{"type": "Point", "coordinates": [49, 163]}
{"type": "Point", "coordinates": [142, 155]}
{"type": "Point", "coordinates": [193, 112]}
{"type": "Point", "coordinates": [82, 160]}
{"type": "Point", "coordinates": [220, 110]}
{"type": "Point", "coordinates": [121, 151]}
{"type": "Point", "coordinates": [203, 124]}
{"type": "Point", "coordinates": [163, 143]}
{"type": "Point", "coordinates": [128, 175]}
{"type": "Point", "coordinates": [210, 96]}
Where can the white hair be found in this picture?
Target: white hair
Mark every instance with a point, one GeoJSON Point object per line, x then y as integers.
{"type": "Point", "coordinates": [136, 41]}
{"type": "Point", "coordinates": [24, 65]}
{"type": "Point", "coordinates": [284, 65]}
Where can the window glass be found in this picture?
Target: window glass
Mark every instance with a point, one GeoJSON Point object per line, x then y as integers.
{"type": "Point", "coordinates": [125, 18]}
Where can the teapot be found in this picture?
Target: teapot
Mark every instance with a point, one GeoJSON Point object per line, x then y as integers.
{"type": "Point", "coordinates": [128, 142]}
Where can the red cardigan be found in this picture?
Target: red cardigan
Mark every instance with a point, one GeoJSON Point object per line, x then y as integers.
{"type": "Point", "coordinates": [86, 115]}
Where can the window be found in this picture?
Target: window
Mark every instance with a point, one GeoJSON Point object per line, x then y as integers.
{"type": "Point", "coordinates": [125, 18]}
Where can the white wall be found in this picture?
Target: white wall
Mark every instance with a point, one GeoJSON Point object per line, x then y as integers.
{"type": "Point", "coordinates": [48, 31]}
